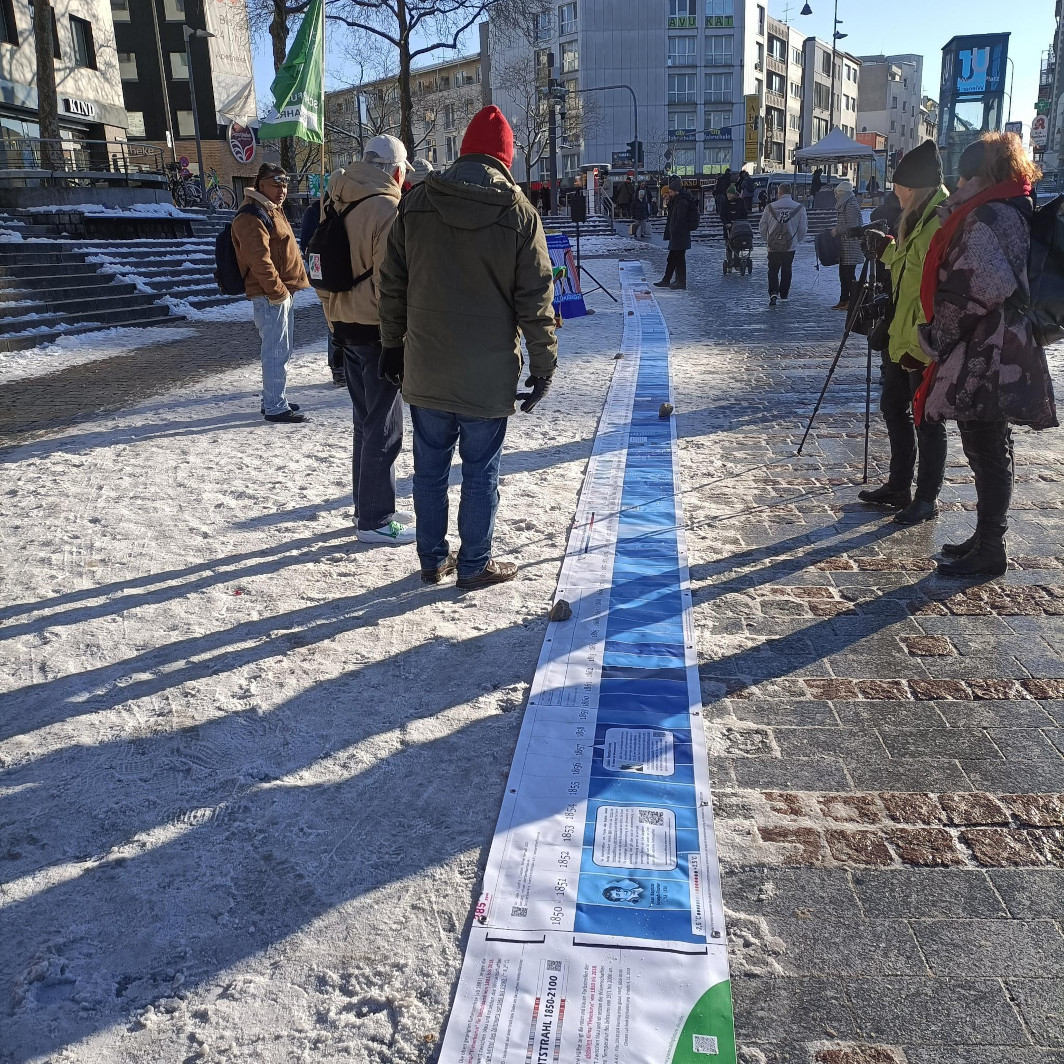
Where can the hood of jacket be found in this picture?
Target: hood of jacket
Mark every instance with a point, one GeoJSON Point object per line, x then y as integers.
{"type": "Point", "coordinates": [358, 181]}
{"type": "Point", "coordinates": [474, 193]}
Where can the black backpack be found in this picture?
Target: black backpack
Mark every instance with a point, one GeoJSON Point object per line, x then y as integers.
{"type": "Point", "coordinates": [1045, 272]}
{"type": "Point", "coordinates": [227, 270]}
{"type": "Point", "coordinates": [329, 251]}
{"type": "Point", "coordinates": [694, 215]}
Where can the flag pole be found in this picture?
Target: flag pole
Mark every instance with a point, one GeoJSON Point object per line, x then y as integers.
{"type": "Point", "coordinates": [321, 198]}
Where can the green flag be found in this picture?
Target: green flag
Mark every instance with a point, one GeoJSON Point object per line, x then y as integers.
{"type": "Point", "coordinates": [298, 102]}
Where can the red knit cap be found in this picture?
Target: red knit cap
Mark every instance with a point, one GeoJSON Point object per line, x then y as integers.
{"type": "Point", "coordinates": [490, 134]}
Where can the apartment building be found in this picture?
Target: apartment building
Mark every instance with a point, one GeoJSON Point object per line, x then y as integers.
{"type": "Point", "coordinates": [445, 94]}
{"type": "Point", "coordinates": [830, 91]}
{"type": "Point", "coordinates": [891, 100]}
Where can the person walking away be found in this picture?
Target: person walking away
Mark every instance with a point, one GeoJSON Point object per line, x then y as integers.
{"type": "Point", "coordinates": [783, 226]}
{"type": "Point", "coordinates": [680, 216]}
{"type": "Point", "coordinates": [918, 186]}
{"type": "Point", "coordinates": [817, 183]}
{"type": "Point", "coordinates": [989, 372]}
{"type": "Point", "coordinates": [623, 198]}
{"type": "Point", "coordinates": [268, 255]}
{"type": "Point", "coordinates": [640, 227]}
{"type": "Point", "coordinates": [720, 191]}
{"type": "Point", "coordinates": [367, 196]}
{"type": "Point", "coordinates": [851, 254]}
{"type": "Point", "coordinates": [308, 227]}
{"type": "Point", "coordinates": [873, 186]}
{"type": "Point", "coordinates": [466, 274]}
{"type": "Point", "coordinates": [746, 191]}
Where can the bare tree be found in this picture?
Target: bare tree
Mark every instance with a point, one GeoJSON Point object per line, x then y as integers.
{"type": "Point", "coordinates": [528, 113]}
{"type": "Point", "coordinates": [413, 28]}
{"type": "Point", "coordinates": [47, 101]}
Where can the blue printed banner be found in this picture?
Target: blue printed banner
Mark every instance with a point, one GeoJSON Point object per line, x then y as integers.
{"type": "Point", "coordinates": [568, 300]}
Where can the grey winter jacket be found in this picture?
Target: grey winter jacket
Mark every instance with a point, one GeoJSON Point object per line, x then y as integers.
{"type": "Point", "coordinates": [466, 273]}
{"type": "Point", "coordinates": [989, 366]}
{"type": "Point", "coordinates": [786, 215]}
{"type": "Point", "coordinates": [848, 214]}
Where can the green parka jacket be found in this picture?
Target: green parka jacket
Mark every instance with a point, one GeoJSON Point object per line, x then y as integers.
{"type": "Point", "coordinates": [905, 260]}
{"type": "Point", "coordinates": [466, 273]}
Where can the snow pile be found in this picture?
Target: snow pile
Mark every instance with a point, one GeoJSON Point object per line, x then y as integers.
{"type": "Point", "coordinates": [156, 210]}
{"type": "Point", "coordinates": [9, 236]}
{"type": "Point", "coordinates": [85, 347]}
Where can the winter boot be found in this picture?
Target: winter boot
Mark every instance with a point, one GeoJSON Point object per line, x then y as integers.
{"type": "Point", "coordinates": [918, 510]}
{"type": "Point", "coordinates": [988, 558]}
{"type": "Point", "coordinates": [887, 495]}
{"type": "Point", "coordinates": [959, 550]}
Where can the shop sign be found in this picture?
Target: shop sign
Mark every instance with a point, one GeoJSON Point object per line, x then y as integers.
{"type": "Point", "coordinates": [79, 107]}
{"type": "Point", "coordinates": [682, 134]}
{"type": "Point", "coordinates": [682, 22]}
{"type": "Point", "coordinates": [241, 142]}
{"type": "Point", "coordinates": [724, 133]}
{"type": "Point", "coordinates": [719, 21]}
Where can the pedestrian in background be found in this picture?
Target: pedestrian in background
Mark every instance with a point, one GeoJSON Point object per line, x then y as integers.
{"type": "Point", "coordinates": [640, 227]}
{"type": "Point", "coordinates": [466, 274]}
{"type": "Point", "coordinates": [783, 226]}
{"type": "Point", "coordinates": [918, 186]}
{"type": "Point", "coordinates": [268, 255]}
{"type": "Point", "coordinates": [367, 195]}
{"type": "Point", "coordinates": [989, 372]}
{"type": "Point", "coordinates": [848, 230]}
{"type": "Point", "coordinates": [745, 185]}
{"type": "Point", "coordinates": [679, 217]}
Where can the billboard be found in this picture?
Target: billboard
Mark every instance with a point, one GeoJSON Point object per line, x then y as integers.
{"type": "Point", "coordinates": [1039, 131]}
{"type": "Point", "coordinates": [230, 52]}
{"type": "Point", "coordinates": [753, 113]}
{"type": "Point", "coordinates": [971, 92]}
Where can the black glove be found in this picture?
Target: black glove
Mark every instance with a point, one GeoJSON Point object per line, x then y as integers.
{"type": "Point", "coordinates": [875, 242]}
{"type": "Point", "coordinates": [540, 386]}
{"type": "Point", "coordinates": [390, 366]}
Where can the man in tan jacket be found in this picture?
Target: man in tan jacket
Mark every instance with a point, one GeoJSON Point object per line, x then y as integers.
{"type": "Point", "coordinates": [268, 254]}
{"type": "Point", "coordinates": [366, 195]}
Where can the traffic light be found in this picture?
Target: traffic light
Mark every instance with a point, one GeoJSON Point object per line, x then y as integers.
{"type": "Point", "coordinates": [635, 148]}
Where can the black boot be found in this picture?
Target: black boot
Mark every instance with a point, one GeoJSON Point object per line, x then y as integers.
{"type": "Point", "coordinates": [887, 495]}
{"type": "Point", "coordinates": [663, 284]}
{"type": "Point", "coordinates": [959, 550]}
{"type": "Point", "coordinates": [918, 510]}
{"type": "Point", "coordinates": [987, 559]}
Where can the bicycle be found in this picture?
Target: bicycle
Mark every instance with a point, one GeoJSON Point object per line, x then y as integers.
{"type": "Point", "coordinates": [184, 188]}
{"type": "Point", "coordinates": [221, 197]}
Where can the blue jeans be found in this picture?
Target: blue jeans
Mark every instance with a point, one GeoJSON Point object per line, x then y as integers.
{"type": "Point", "coordinates": [276, 327]}
{"type": "Point", "coordinates": [479, 442]}
{"type": "Point", "coordinates": [377, 435]}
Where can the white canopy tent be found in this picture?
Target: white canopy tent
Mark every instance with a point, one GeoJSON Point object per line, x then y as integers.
{"type": "Point", "coordinates": [836, 147]}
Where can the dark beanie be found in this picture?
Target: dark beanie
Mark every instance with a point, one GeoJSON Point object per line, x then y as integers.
{"type": "Point", "coordinates": [971, 160]}
{"type": "Point", "coordinates": [490, 134]}
{"type": "Point", "coordinates": [920, 168]}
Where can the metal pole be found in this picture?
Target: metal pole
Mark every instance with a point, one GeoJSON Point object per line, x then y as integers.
{"type": "Point", "coordinates": [635, 109]}
{"type": "Point", "coordinates": [552, 136]}
{"type": "Point", "coordinates": [834, 44]}
{"type": "Point", "coordinates": [189, 34]}
{"type": "Point", "coordinates": [162, 79]}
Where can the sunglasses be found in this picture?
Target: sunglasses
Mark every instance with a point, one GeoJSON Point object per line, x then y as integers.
{"type": "Point", "coordinates": [279, 180]}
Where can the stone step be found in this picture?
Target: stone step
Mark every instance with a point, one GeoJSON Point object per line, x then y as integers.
{"type": "Point", "coordinates": [94, 310]}
{"type": "Point", "coordinates": [66, 300]}
{"type": "Point", "coordinates": [48, 335]}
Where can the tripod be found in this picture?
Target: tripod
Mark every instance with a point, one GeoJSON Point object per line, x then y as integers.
{"type": "Point", "coordinates": [864, 312]}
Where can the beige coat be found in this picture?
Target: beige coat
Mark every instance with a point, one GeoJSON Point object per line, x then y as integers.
{"type": "Point", "coordinates": [269, 260]}
{"type": "Point", "coordinates": [368, 226]}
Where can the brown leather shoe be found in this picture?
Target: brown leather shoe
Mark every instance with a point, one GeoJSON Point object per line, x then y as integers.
{"type": "Point", "coordinates": [492, 573]}
{"type": "Point", "coordinates": [445, 568]}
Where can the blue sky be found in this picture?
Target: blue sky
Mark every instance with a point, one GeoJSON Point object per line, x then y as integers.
{"type": "Point", "coordinates": [874, 27]}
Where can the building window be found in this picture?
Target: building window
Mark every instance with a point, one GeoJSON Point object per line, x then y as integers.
{"type": "Point", "coordinates": [174, 10]}
{"type": "Point", "coordinates": [127, 66]}
{"type": "Point", "coordinates": [777, 83]}
{"type": "Point", "coordinates": [773, 118]}
{"type": "Point", "coordinates": [894, 103]}
{"type": "Point", "coordinates": [893, 126]}
{"type": "Point", "coordinates": [567, 18]}
{"type": "Point", "coordinates": [718, 88]}
{"type": "Point", "coordinates": [760, 64]}
{"type": "Point", "coordinates": [715, 159]}
{"type": "Point", "coordinates": [84, 49]}
{"type": "Point", "coordinates": [717, 119]}
{"type": "Point", "coordinates": [683, 161]}
{"type": "Point", "coordinates": [682, 88]}
{"type": "Point", "coordinates": [570, 54]}
{"type": "Point", "coordinates": [478, 73]}
{"type": "Point", "coordinates": [179, 66]}
{"type": "Point", "coordinates": [760, 20]}
{"type": "Point", "coordinates": [136, 124]}
{"type": "Point", "coordinates": [570, 165]}
{"type": "Point", "coordinates": [8, 29]}
{"type": "Point", "coordinates": [796, 90]}
{"type": "Point", "coordinates": [119, 10]}
{"type": "Point", "coordinates": [777, 49]}
{"type": "Point", "coordinates": [794, 122]}
{"type": "Point", "coordinates": [821, 96]}
{"type": "Point", "coordinates": [186, 125]}
{"type": "Point", "coordinates": [720, 9]}
{"type": "Point", "coordinates": [825, 64]}
{"type": "Point", "coordinates": [681, 8]}
{"type": "Point", "coordinates": [452, 149]}
{"type": "Point", "coordinates": [719, 50]}
{"type": "Point", "coordinates": [681, 120]}
{"type": "Point", "coordinates": [797, 58]}
{"type": "Point", "coordinates": [544, 28]}
{"type": "Point", "coordinates": [904, 107]}
{"type": "Point", "coordinates": [682, 51]}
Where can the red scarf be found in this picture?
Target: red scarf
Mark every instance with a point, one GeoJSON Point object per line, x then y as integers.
{"type": "Point", "coordinates": [940, 242]}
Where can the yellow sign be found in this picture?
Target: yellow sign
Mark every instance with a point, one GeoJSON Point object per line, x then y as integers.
{"type": "Point", "coordinates": [753, 117]}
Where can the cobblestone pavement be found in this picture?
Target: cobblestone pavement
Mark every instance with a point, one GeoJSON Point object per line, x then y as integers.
{"type": "Point", "coordinates": [886, 745]}
{"type": "Point", "coordinates": [41, 405]}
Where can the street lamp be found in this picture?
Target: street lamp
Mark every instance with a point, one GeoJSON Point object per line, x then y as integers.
{"type": "Point", "coordinates": [835, 38]}
{"type": "Point", "coordinates": [203, 34]}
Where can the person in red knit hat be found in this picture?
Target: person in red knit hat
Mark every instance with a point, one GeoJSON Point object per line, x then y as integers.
{"type": "Point", "coordinates": [466, 274]}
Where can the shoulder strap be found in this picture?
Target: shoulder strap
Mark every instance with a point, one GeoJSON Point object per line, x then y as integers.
{"type": "Point", "coordinates": [354, 203]}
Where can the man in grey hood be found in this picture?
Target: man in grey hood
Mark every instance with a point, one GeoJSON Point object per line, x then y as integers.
{"type": "Point", "coordinates": [467, 273]}
{"type": "Point", "coordinates": [783, 227]}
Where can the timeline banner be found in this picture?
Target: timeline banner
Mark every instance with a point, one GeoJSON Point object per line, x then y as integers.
{"type": "Point", "coordinates": [599, 936]}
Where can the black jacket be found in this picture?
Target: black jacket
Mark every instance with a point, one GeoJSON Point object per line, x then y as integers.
{"type": "Point", "coordinates": [678, 225]}
{"type": "Point", "coordinates": [732, 210]}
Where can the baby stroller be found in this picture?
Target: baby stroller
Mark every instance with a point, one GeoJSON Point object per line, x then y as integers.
{"type": "Point", "coordinates": [738, 243]}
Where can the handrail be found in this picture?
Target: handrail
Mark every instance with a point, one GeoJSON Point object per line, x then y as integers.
{"type": "Point", "coordinates": [80, 156]}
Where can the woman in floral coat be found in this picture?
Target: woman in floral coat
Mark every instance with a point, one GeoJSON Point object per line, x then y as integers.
{"type": "Point", "coordinates": [988, 372]}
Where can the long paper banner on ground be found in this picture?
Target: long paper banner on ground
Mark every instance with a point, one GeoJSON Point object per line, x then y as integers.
{"type": "Point", "coordinates": [600, 937]}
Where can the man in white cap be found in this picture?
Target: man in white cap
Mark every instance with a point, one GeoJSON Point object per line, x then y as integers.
{"type": "Point", "coordinates": [367, 194]}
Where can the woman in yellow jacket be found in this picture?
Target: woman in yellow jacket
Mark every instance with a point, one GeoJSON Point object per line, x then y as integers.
{"type": "Point", "coordinates": [918, 185]}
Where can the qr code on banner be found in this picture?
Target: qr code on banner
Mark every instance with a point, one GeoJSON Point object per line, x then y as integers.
{"type": "Point", "coordinates": [554, 966]}
{"type": "Point", "coordinates": [651, 816]}
{"type": "Point", "coordinates": [518, 910]}
{"type": "Point", "coordinates": [706, 1044]}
